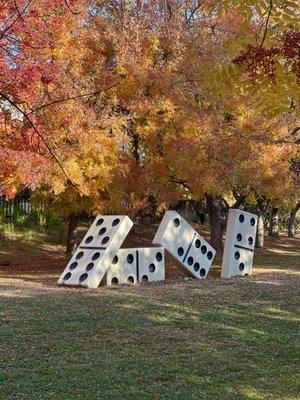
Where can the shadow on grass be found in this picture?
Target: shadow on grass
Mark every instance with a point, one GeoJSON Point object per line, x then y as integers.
{"type": "Point", "coordinates": [164, 342]}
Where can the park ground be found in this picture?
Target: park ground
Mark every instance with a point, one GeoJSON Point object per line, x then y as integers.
{"type": "Point", "coordinates": [212, 339]}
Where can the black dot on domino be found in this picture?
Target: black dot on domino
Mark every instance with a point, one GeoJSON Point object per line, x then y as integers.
{"type": "Point", "coordinates": [89, 267]}
{"type": "Point", "coordinates": [250, 240]}
{"type": "Point", "coordinates": [114, 281]}
{"type": "Point", "coordinates": [130, 258]}
{"type": "Point", "coordinates": [115, 260]}
{"type": "Point", "coordinates": [209, 255]}
{"type": "Point", "coordinates": [89, 239]}
{"type": "Point", "coordinates": [67, 276]}
{"type": "Point", "coordinates": [190, 260]}
{"type": "Point", "coordinates": [158, 256]}
{"type": "Point", "coordinates": [237, 255]}
{"type": "Point", "coordinates": [196, 267]}
{"type": "Point", "coordinates": [130, 280]}
{"type": "Point", "coordinates": [99, 222]}
{"type": "Point", "coordinates": [176, 222]}
{"type": "Point", "coordinates": [180, 251]}
{"type": "Point", "coordinates": [241, 267]}
{"type": "Point", "coordinates": [83, 277]}
{"type": "Point", "coordinates": [115, 222]}
{"type": "Point", "coordinates": [105, 240]}
{"type": "Point", "coordinates": [151, 268]}
{"type": "Point", "coordinates": [96, 256]}
{"type": "Point", "coordinates": [197, 243]}
{"type": "Point", "coordinates": [239, 237]}
{"type": "Point", "coordinates": [145, 278]}
{"type": "Point", "coordinates": [241, 218]}
{"type": "Point", "coordinates": [252, 221]}
{"type": "Point", "coordinates": [79, 255]}
{"type": "Point", "coordinates": [202, 272]}
{"type": "Point", "coordinates": [102, 231]}
{"type": "Point", "coordinates": [203, 249]}
{"type": "Point", "coordinates": [73, 265]}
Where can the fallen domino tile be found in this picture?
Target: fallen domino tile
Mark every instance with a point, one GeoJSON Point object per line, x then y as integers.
{"type": "Point", "coordinates": [137, 264]}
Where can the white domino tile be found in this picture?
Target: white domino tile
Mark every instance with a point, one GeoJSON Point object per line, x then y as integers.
{"type": "Point", "coordinates": [151, 266]}
{"type": "Point", "coordinates": [137, 264]}
{"type": "Point", "coordinates": [185, 244]}
{"type": "Point", "coordinates": [239, 244]}
{"type": "Point", "coordinates": [96, 251]}
{"type": "Point", "coordinates": [123, 268]}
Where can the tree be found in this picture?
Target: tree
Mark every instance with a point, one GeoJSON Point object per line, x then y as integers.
{"type": "Point", "coordinates": [133, 123]}
{"type": "Point", "coordinates": [292, 220]}
{"type": "Point", "coordinates": [274, 222]}
{"type": "Point", "coordinates": [267, 61]}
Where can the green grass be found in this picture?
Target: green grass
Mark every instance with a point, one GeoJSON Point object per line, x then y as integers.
{"type": "Point", "coordinates": [213, 339]}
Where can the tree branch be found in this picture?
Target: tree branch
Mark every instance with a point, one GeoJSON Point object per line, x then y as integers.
{"type": "Point", "coordinates": [267, 23]}
{"type": "Point", "coordinates": [193, 11]}
{"type": "Point", "coordinates": [69, 8]}
{"type": "Point", "coordinates": [15, 20]}
{"type": "Point", "coordinates": [69, 181]}
{"type": "Point", "coordinates": [58, 101]}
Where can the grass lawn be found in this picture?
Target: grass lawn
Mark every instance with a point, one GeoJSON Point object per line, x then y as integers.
{"type": "Point", "coordinates": [210, 339]}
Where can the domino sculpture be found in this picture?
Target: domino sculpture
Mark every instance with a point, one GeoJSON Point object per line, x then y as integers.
{"type": "Point", "coordinates": [137, 265]}
{"type": "Point", "coordinates": [99, 252]}
{"type": "Point", "coordinates": [239, 244]}
{"type": "Point", "coordinates": [96, 251]}
{"type": "Point", "coordinates": [185, 244]}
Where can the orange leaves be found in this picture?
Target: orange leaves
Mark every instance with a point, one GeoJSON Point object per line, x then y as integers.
{"type": "Point", "coordinates": [121, 96]}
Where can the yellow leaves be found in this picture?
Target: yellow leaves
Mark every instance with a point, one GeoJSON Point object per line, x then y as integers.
{"type": "Point", "coordinates": [220, 80]}
{"type": "Point", "coordinates": [121, 71]}
{"type": "Point", "coordinates": [57, 52]}
{"type": "Point", "coordinates": [167, 110]}
{"type": "Point", "coordinates": [154, 43]}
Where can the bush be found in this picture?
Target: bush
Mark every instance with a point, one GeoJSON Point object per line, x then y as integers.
{"type": "Point", "coordinates": [44, 219]}
{"type": "Point", "coordinates": [19, 217]}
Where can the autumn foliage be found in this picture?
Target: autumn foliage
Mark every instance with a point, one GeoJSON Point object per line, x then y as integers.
{"type": "Point", "coordinates": [109, 105]}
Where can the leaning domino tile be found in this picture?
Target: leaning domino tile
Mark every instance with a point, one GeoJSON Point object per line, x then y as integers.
{"type": "Point", "coordinates": [96, 251]}
{"type": "Point", "coordinates": [137, 264]}
{"type": "Point", "coordinates": [185, 244]}
{"type": "Point", "coordinates": [239, 243]}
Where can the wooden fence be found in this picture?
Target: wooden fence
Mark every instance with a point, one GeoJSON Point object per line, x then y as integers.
{"type": "Point", "coordinates": [20, 202]}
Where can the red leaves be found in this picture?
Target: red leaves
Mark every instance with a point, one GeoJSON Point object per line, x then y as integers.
{"type": "Point", "coordinates": [291, 50]}
{"type": "Point", "coordinates": [258, 59]}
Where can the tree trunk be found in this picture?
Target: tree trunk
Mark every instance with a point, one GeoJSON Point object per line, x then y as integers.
{"type": "Point", "coordinates": [274, 222]}
{"type": "Point", "coordinates": [214, 213]}
{"type": "Point", "coordinates": [292, 220]}
{"type": "Point", "coordinates": [72, 234]}
{"type": "Point", "coordinates": [260, 229]}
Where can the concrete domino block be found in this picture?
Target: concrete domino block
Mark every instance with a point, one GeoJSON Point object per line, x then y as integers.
{"type": "Point", "coordinates": [239, 243]}
{"type": "Point", "coordinates": [151, 266]}
{"type": "Point", "coordinates": [137, 264]}
{"type": "Point", "coordinates": [96, 251]}
{"type": "Point", "coordinates": [123, 268]}
{"type": "Point", "coordinates": [185, 244]}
